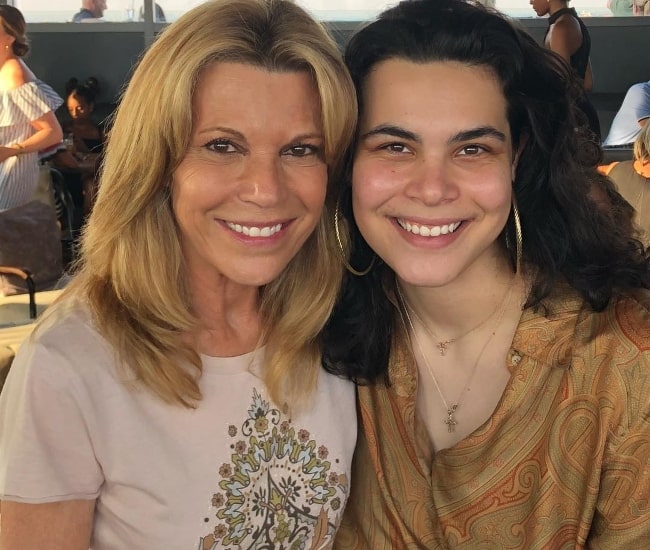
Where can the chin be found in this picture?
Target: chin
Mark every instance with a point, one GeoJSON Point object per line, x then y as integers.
{"type": "Point", "coordinates": [257, 275]}
{"type": "Point", "coordinates": [425, 277]}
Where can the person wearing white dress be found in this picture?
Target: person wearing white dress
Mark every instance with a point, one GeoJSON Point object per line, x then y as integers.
{"type": "Point", "coordinates": [27, 121]}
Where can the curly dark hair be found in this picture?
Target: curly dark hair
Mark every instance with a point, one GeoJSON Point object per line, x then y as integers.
{"type": "Point", "coordinates": [566, 236]}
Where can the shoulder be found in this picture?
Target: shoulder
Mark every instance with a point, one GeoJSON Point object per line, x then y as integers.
{"type": "Point", "coordinates": [566, 23]}
{"type": "Point", "coordinates": [14, 74]}
{"type": "Point", "coordinates": [568, 332]}
{"type": "Point", "coordinates": [612, 346]}
{"type": "Point", "coordinates": [641, 88]}
{"type": "Point", "coordinates": [605, 169]}
{"type": "Point", "coordinates": [631, 314]}
{"type": "Point", "coordinates": [638, 94]}
{"type": "Point", "coordinates": [65, 346]}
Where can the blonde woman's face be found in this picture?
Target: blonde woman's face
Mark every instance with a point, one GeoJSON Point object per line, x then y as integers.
{"type": "Point", "coordinates": [251, 187]}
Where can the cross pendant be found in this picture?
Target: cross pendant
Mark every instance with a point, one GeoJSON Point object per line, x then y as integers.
{"type": "Point", "coordinates": [442, 346]}
{"type": "Point", "coordinates": [450, 420]}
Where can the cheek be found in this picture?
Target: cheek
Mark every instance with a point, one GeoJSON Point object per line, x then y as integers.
{"type": "Point", "coordinates": [310, 187]}
{"type": "Point", "coordinates": [372, 184]}
{"type": "Point", "coordinates": [495, 201]}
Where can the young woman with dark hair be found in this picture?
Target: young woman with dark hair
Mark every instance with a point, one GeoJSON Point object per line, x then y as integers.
{"type": "Point", "coordinates": [500, 336]}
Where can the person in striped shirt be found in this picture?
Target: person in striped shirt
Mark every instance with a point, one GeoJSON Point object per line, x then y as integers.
{"type": "Point", "coordinates": [27, 121]}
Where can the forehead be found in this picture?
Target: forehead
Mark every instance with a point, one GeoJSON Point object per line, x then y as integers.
{"type": "Point", "coordinates": [432, 92]}
{"type": "Point", "coordinates": [223, 85]}
{"type": "Point", "coordinates": [75, 99]}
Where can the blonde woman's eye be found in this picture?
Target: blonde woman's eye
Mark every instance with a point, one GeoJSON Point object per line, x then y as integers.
{"type": "Point", "coordinates": [302, 150]}
{"type": "Point", "coordinates": [222, 146]}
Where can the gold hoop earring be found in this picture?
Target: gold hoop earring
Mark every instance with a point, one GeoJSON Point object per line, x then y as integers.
{"type": "Point", "coordinates": [342, 250]}
{"type": "Point", "coordinates": [519, 240]}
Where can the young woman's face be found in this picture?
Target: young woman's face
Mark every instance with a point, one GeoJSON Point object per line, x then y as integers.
{"type": "Point", "coordinates": [433, 169]}
{"type": "Point", "coordinates": [78, 107]}
{"type": "Point", "coordinates": [251, 187]}
{"type": "Point", "coordinates": [6, 39]}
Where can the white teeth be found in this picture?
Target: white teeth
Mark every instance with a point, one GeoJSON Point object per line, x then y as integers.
{"type": "Point", "coordinates": [428, 231]}
{"type": "Point", "coordinates": [254, 231]}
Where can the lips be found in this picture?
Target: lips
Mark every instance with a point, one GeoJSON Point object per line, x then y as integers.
{"type": "Point", "coordinates": [255, 230]}
{"type": "Point", "coordinates": [428, 230]}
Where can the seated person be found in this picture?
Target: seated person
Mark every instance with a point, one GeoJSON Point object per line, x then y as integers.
{"type": "Point", "coordinates": [632, 179]}
{"type": "Point", "coordinates": [620, 8]}
{"type": "Point", "coordinates": [632, 115]}
{"type": "Point", "coordinates": [88, 136]}
{"type": "Point", "coordinates": [91, 11]}
{"type": "Point", "coordinates": [80, 161]}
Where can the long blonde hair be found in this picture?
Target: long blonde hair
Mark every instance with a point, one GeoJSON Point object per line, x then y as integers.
{"type": "Point", "coordinates": [131, 270]}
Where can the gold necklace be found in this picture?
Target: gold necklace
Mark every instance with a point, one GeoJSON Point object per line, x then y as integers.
{"type": "Point", "coordinates": [451, 410]}
{"type": "Point", "coordinates": [442, 345]}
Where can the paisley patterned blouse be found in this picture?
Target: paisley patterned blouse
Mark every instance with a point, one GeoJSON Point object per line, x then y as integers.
{"type": "Point", "coordinates": [563, 462]}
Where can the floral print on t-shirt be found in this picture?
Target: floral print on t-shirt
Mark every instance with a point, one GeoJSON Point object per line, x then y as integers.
{"type": "Point", "coordinates": [280, 489]}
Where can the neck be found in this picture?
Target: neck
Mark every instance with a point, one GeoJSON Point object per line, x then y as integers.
{"type": "Point", "coordinates": [642, 168]}
{"type": "Point", "coordinates": [6, 55]}
{"type": "Point", "coordinates": [555, 5]}
{"type": "Point", "coordinates": [229, 316]}
{"type": "Point", "coordinates": [454, 309]}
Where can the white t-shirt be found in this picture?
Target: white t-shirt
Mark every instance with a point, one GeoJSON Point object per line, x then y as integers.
{"type": "Point", "coordinates": [236, 472]}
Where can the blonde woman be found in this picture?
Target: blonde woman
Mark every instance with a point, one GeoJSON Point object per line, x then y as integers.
{"type": "Point", "coordinates": [632, 179]}
{"type": "Point", "coordinates": [174, 398]}
{"type": "Point", "coordinates": [27, 121]}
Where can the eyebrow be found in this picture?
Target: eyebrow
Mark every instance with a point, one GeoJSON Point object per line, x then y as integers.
{"type": "Point", "coordinates": [390, 130]}
{"type": "Point", "coordinates": [463, 135]}
{"type": "Point", "coordinates": [223, 129]}
{"type": "Point", "coordinates": [474, 133]}
{"type": "Point", "coordinates": [238, 135]}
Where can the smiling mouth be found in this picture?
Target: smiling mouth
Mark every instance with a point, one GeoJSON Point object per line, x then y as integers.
{"type": "Point", "coordinates": [428, 230]}
{"type": "Point", "coordinates": [255, 231]}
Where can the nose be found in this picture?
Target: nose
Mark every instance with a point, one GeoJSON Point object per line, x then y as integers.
{"type": "Point", "coordinates": [431, 182]}
{"type": "Point", "coordinates": [263, 181]}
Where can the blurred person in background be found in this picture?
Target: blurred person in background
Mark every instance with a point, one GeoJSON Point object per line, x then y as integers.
{"type": "Point", "coordinates": [27, 121]}
{"type": "Point", "coordinates": [567, 36]}
{"type": "Point", "coordinates": [632, 115]}
{"type": "Point", "coordinates": [79, 160]}
{"type": "Point", "coordinates": [632, 179]}
{"type": "Point", "coordinates": [641, 7]}
{"type": "Point", "coordinates": [90, 12]}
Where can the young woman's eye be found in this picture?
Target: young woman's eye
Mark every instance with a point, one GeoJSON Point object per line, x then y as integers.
{"type": "Point", "coordinates": [222, 146]}
{"type": "Point", "coordinates": [396, 148]}
{"type": "Point", "coordinates": [302, 150]}
{"type": "Point", "coordinates": [472, 150]}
